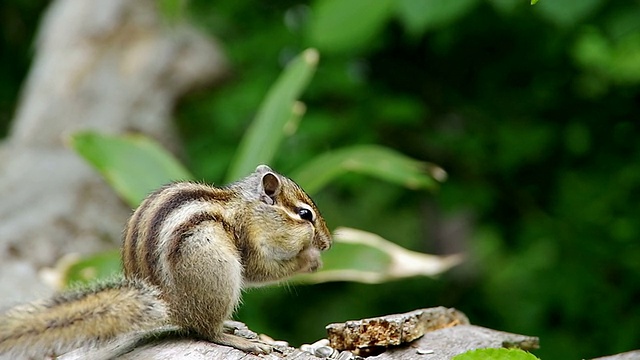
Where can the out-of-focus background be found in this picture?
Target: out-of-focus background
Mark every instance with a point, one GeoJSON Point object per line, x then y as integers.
{"type": "Point", "coordinates": [533, 111]}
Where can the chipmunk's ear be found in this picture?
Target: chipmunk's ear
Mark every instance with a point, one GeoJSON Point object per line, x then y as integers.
{"type": "Point", "coordinates": [270, 188]}
{"type": "Point", "coordinates": [261, 169]}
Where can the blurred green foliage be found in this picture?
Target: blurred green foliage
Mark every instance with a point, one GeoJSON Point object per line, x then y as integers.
{"type": "Point", "coordinates": [277, 116]}
{"type": "Point", "coordinates": [532, 110]}
{"type": "Point", "coordinates": [135, 165]}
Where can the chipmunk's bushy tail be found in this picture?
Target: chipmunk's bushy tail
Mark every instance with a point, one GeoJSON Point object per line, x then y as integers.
{"type": "Point", "coordinates": [79, 318]}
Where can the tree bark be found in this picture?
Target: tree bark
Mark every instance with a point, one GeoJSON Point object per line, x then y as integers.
{"type": "Point", "coordinates": [110, 66]}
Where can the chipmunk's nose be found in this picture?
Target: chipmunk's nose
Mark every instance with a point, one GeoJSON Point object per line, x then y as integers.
{"type": "Point", "coordinates": [322, 241]}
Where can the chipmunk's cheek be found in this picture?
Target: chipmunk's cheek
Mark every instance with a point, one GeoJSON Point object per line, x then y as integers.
{"type": "Point", "coordinates": [310, 260]}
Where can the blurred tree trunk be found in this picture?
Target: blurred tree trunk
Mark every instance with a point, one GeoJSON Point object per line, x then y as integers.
{"type": "Point", "coordinates": [110, 66]}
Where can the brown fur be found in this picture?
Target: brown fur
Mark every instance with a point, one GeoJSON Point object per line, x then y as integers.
{"type": "Point", "coordinates": [220, 240]}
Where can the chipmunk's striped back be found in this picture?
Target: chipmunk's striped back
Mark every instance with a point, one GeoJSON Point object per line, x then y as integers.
{"type": "Point", "coordinates": [154, 234]}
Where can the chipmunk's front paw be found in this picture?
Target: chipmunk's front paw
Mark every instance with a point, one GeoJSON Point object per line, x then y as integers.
{"type": "Point", "coordinates": [239, 329]}
{"type": "Point", "coordinates": [246, 345]}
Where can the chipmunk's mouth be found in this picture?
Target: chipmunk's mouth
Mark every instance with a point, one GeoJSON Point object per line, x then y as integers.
{"type": "Point", "coordinates": [315, 267]}
{"type": "Point", "coordinates": [311, 259]}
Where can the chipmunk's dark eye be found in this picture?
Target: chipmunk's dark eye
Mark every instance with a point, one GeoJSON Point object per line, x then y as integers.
{"type": "Point", "coordinates": [305, 214]}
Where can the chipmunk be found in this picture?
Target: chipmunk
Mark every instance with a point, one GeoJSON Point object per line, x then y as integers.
{"type": "Point", "coordinates": [188, 251]}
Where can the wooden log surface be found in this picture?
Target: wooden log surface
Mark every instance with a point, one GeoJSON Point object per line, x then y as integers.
{"type": "Point", "coordinates": [446, 334]}
{"type": "Point", "coordinates": [630, 355]}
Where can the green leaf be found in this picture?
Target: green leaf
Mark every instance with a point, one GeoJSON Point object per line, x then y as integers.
{"type": "Point", "coordinates": [420, 15]}
{"type": "Point", "coordinates": [495, 354]}
{"type": "Point", "coordinates": [533, 2]}
{"type": "Point", "coordinates": [364, 257]}
{"type": "Point", "coordinates": [87, 269]}
{"type": "Point", "coordinates": [372, 160]}
{"type": "Point", "coordinates": [340, 26]}
{"type": "Point", "coordinates": [133, 165]}
{"type": "Point", "coordinates": [275, 117]}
